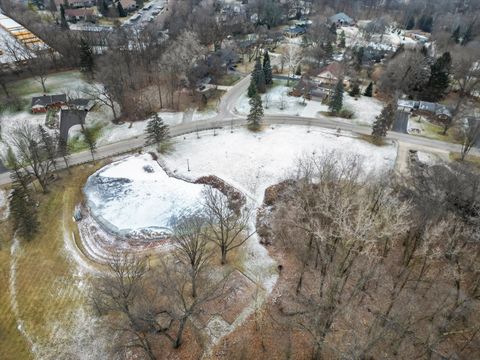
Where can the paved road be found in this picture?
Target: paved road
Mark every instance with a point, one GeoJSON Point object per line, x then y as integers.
{"type": "Point", "coordinates": [228, 116]}
{"type": "Point", "coordinates": [401, 122]}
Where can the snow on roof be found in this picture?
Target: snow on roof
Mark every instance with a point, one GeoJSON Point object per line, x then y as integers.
{"type": "Point", "coordinates": [341, 17]}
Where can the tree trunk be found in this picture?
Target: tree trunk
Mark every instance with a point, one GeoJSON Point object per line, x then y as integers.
{"type": "Point", "coordinates": [178, 340]}
{"type": "Point", "coordinates": [224, 255]}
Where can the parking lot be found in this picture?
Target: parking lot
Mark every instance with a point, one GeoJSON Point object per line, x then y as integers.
{"type": "Point", "coordinates": [148, 14]}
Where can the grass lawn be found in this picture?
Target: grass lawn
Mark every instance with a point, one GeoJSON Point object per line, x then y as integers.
{"type": "Point", "coordinates": [435, 132]}
{"type": "Point", "coordinates": [228, 79]}
{"type": "Point", "coordinates": [56, 83]}
{"type": "Point", "coordinates": [76, 142]}
{"type": "Point", "coordinates": [45, 288]}
{"type": "Point", "coordinates": [469, 159]}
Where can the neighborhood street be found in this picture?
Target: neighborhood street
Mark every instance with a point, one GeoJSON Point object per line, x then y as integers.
{"type": "Point", "coordinates": [227, 116]}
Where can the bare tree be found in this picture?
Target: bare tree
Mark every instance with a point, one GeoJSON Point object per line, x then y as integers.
{"type": "Point", "coordinates": [292, 56]}
{"type": "Point", "coordinates": [191, 244]}
{"type": "Point", "coordinates": [27, 144]}
{"type": "Point", "coordinates": [104, 96]}
{"type": "Point", "coordinates": [121, 294]}
{"type": "Point", "coordinates": [471, 135]}
{"type": "Point", "coordinates": [228, 227]}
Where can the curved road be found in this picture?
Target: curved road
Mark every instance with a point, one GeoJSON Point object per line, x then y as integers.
{"type": "Point", "coordinates": [227, 116]}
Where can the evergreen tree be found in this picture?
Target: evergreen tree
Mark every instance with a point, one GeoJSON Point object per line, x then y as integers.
{"type": "Point", "coordinates": [267, 69]}
{"type": "Point", "coordinates": [255, 116]}
{"type": "Point", "coordinates": [104, 8]}
{"type": "Point", "coordinates": [336, 102]}
{"type": "Point", "coordinates": [156, 131]}
{"type": "Point", "coordinates": [87, 63]}
{"type": "Point", "coordinates": [468, 35]}
{"type": "Point", "coordinates": [384, 121]}
{"type": "Point", "coordinates": [48, 146]}
{"type": "Point", "coordinates": [121, 10]}
{"type": "Point", "coordinates": [18, 176]}
{"type": "Point", "coordinates": [252, 88]}
{"type": "Point", "coordinates": [259, 77]}
{"type": "Point", "coordinates": [299, 70]}
{"type": "Point", "coordinates": [439, 80]}
{"type": "Point", "coordinates": [369, 90]}
{"type": "Point", "coordinates": [410, 23]}
{"type": "Point", "coordinates": [425, 23]}
{"type": "Point", "coordinates": [333, 31]}
{"type": "Point", "coordinates": [456, 35]}
{"type": "Point", "coordinates": [91, 140]}
{"type": "Point", "coordinates": [23, 212]}
{"type": "Point", "coordinates": [342, 41]}
{"type": "Point", "coordinates": [359, 56]}
{"type": "Point", "coordinates": [63, 20]}
{"type": "Point", "coordinates": [328, 50]}
{"type": "Point", "coordinates": [355, 91]}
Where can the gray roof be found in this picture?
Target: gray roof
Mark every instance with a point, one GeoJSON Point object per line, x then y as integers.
{"type": "Point", "coordinates": [46, 100]}
{"type": "Point", "coordinates": [341, 17]}
{"type": "Point", "coordinates": [434, 108]}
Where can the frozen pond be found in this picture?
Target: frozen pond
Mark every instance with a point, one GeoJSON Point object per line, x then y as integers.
{"type": "Point", "coordinates": [135, 197]}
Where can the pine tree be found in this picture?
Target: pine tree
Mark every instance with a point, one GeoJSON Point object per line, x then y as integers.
{"type": "Point", "coordinates": [259, 77]}
{"type": "Point", "coordinates": [359, 56]}
{"type": "Point", "coordinates": [18, 176]}
{"type": "Point", "coordinates": [87, 63]}
{"type": "Point", "coordinates": [63, 20]}
{"type": "Point", "coordinates": [369, 90]}
{"type": "Point", "coordinates": [336, 102]}
{"type": "Point", "coordinates": [355, 91]}
{"type": "Point", "coordinates": [91, 140]}
{"type": "Point", "coordinates": [23, 212]}
{"type": "Point", "coordinates": [468, 35]}
{"type": "Point", "coordinates": [425, 23]}
{"type": "Point", "coordinates": [410, 23]}
{"type": "Point", "coordinates": [328, 50]}
{"type": "Point", "coordinates": [299, 70]}
{"type": "Point", "coordinates": [252, 88]}
{"type": "Point", "coordinates": [256, 113]}
{"type": "Point", "coordinates": [342, 41]}
{"type": "Point", "coordinates": [267, 68]}
{"type": "Point", "coordinates": [384, 121]}
{"type": "Point", "coordinates": [456, 35]}
{"type": "Point", "coordinates": [156, 131]}
{"type": "Point", "coordinates": [121, 10]}
{"type": "Point", "coordinates": [439, 80]}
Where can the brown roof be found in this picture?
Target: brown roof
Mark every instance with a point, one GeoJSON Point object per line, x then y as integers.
{"type": "Point", "coordinates": [335, 68]}
{"type": "Point", "coordinates": [127, 4]}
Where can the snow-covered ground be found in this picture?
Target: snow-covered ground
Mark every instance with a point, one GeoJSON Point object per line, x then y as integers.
{"type": "Point", "coordinates": [3, 204]}
{"type": "Point", "coordinates": [135, 195]}
{"type": "Point", "coordinates": [391, 40]}
{"type": "Point", "coordinates": [365, 108]}
{"type": "Point", "coordinates": [253, 161]}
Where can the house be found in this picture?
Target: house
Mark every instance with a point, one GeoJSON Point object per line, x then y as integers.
{"type": "Point", "coordinates": [75, 3]}
{"type": "Point", "coordinates": [295, 31]}
{"type": "Point", "coordinates": [81, 14]}
{"type": "Point", "coordinates": [329, 75]}
{"type": "Point", "coordinates": [128, 5]}
{"type": "Point", "coordinates": [440, 112]}
{"type": "Point", "coordinates": [40, 104]}
{"type": "Point", "coordinates": [341, 19]}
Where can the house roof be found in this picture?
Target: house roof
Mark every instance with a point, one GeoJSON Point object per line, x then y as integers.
{"type": "Point", "coordinates": [81, 12]}
{"type": "Point", "coordinates": [46, 100]}
{"type": "Point", "coordinates": [434, 108]}
{"type": "Point", "coordinates": [334, 68]}
{"type": "Point", "coordinates": [341, 17]}
{"type": "Point", "coordinates": [128, 4]}
{"type": "Point", "coordinates": [82, 103]}
{"type": "Point", "coordinates": [74, 2]}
